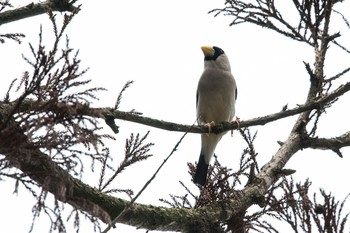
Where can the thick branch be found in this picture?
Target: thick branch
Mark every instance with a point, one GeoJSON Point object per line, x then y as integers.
{"type": "Point", "coordinates": [36, 9]}
{"type": "Point", "coordinates": [39, 167]}
{"type": "Point", "coordinates": [271, 171]}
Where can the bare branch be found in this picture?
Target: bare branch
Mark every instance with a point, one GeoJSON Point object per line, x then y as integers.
{"type": "Point", "coordinates": [313, 104]}
{"type": "Point", "coordinates": [32, 105]}
{"type": "Point", "coordinates": [334, 144]}
{"type": "Point", "coordinates": [341, 46]}
{"type": "Point", "coordinates": [37, 9]}
{"type": "Point", "coordinates": [347, 23]}
{"type": "Point", "coordinates": [337, 75]}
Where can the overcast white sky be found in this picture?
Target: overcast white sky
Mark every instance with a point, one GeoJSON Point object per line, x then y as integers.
{"type": "Point", "coordinates": [157, 43]}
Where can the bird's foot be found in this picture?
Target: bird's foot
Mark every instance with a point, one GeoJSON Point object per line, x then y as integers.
{"type": "Point", "coordinates": [238, 122]}
{"type": "Point", "coordinates": [209, 125]}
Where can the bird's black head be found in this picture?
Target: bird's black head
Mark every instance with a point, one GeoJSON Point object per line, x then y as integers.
{"type": "Point", "coordinates": [214, 55]}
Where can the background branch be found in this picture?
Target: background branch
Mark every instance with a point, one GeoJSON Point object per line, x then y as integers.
{"type": "Point", "coordinates": [34, 9]}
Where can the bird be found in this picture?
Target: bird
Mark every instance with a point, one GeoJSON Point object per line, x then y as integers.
{"type": "Point", "coordinates": [215, 103]}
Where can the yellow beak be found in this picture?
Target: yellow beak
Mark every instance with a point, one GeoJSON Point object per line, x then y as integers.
{"type": "Point", "coordinates": [208, 51]}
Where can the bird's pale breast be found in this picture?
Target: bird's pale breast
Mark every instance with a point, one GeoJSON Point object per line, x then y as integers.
{"type": "Point", "coordinates": [215, 98]}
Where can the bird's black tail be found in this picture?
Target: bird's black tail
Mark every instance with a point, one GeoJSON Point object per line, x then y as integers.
{"type": "Point", "coordinates": [200, 177]}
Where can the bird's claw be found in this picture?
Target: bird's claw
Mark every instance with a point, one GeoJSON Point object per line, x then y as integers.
{"type": "Point", "coordinates": [209, 125]}
{"type": "Point", "coordinates": [238, 122]}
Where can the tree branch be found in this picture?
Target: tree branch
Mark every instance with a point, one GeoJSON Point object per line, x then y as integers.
{"type": "Point", "coordinates": [70, 190]}
{"type": "Point", "coordinates": [67, 189]}
{"type": "Point", "coordinates": [314, 104]}
{"type": "Point", "coordinates": [334, 144]}
{"type": "Point", "coordinates": [80, 195]}
{"type": "Point", "coordinates": [37, 9]}
{"type": "Point", "coordinates": [104, 113]}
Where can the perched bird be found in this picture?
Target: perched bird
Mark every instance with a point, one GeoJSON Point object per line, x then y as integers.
{"type": "Point", "coordinates": [215, 102]}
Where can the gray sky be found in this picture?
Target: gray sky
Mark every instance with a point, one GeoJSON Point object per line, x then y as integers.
{"type": "Point", "coordinates": [157, 44]}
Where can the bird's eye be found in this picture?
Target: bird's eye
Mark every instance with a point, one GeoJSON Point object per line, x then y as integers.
{"type": "Point", "coordinates": [218, 51]}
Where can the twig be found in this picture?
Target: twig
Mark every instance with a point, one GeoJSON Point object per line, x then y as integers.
{"type": "Point", "coordinates": [338, 75]}
{"type": "Point", "coordinates": [126, 86]}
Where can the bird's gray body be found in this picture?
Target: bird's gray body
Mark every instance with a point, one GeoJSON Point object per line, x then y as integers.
{"type": "Point", "coordinates": [216, 97]}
